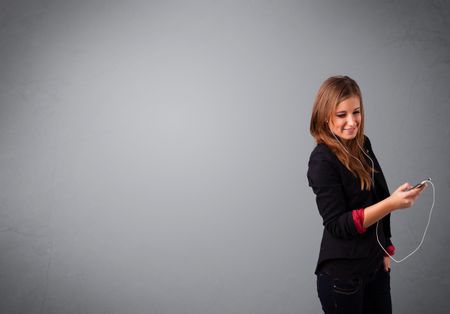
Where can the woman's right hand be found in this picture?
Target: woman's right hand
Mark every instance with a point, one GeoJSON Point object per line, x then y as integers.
{"type": "Point", "coordinates": [402, 197]}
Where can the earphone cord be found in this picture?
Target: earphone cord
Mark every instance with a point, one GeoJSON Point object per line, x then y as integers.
{"type": "Point", "coordinates": [426, 227]}
{"type": "Point", "coordinates": [376, 228]}
{"type": "Point", "coordinates": [423, 236]}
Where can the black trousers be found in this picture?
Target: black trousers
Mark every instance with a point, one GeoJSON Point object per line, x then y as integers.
{"type": "Point", "coordinates": [369, 295]}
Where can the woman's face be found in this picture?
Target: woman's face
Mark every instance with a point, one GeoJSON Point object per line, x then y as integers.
{"type": "Point", "coordinates": [346, 119]}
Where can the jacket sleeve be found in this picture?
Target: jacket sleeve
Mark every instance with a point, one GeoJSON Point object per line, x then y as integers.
{"type": "Point", "coordinates": [326, 184]}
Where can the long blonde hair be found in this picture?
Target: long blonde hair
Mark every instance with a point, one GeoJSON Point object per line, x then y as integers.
{"type": "Point", "coordinates": [331, 93]}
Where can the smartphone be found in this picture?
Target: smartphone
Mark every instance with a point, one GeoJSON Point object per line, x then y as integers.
{"type": "Point", "coordinates": [419, 185]}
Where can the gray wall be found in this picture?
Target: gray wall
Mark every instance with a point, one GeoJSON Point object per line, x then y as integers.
{"type": "Point", "coordinates": [154, 153]}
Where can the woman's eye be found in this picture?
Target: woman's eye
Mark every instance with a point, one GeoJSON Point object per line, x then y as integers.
{"type": "Point", "coordinates": [357, 112]}
{"type": "Point", "coordinates": [341, 115]}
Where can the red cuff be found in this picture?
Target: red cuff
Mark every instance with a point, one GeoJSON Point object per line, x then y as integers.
{"type": "Point", "coordinates": [358, 220]}
{"type": "Point", "coordinates": [391, 250]}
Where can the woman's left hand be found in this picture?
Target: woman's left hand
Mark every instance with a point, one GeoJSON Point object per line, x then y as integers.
{"type": "Point", "coordinates": [387, 264]}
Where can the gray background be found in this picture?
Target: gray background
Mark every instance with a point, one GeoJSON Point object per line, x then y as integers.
{"type": "Point", "coordinates": [154, 153]}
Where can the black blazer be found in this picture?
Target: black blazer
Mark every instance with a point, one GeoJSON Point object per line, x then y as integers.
{"type": "Point", "coordinates": [338, 193]}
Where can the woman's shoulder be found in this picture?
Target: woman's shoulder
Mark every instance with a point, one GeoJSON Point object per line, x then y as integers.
{"type": "Point", "coordinates": [323, 166]}
{"type": "Point", "coordinates": [321, 151]}
{"type": "Point", "coordinates": [367, 143]}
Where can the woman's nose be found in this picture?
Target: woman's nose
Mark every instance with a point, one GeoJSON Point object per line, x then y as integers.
{"type": "Point", "coordinates": [351, 121]}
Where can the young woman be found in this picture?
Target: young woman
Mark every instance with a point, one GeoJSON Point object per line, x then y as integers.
{"type": "Point", "coordinates": [355, 204]}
